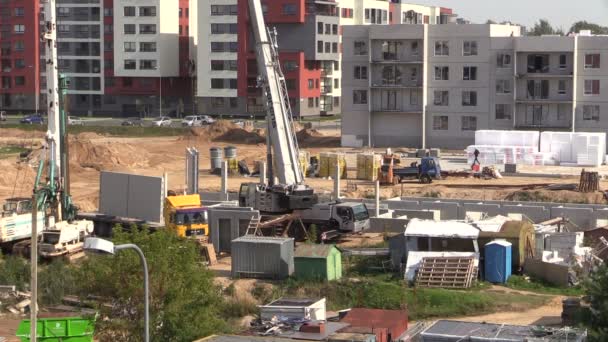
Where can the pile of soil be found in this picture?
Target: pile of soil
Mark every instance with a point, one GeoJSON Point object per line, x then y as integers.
{"type": "Point", "coordinates": [308, 137]}
{"type": "Point", "coordinates": [105, 155]}
{"type": "Point", "coordinates": [21, 134]}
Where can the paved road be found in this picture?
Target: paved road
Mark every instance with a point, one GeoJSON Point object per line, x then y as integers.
{"type": "Point", "coordinates": [108, 122]}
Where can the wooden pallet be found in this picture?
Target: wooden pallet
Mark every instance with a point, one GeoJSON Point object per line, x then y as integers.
{"type": "Point", "coordinates": [450, 272]}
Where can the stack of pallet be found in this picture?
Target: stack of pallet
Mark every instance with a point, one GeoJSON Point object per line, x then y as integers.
{"type": "Point", "coordinates": [368, 165]}
{"type": "Point", "coordinates": [328, 163]}
{"type": "Point", "coordinates": [589, 182]}
{"type": "Point", "coordinates": [447, 272]}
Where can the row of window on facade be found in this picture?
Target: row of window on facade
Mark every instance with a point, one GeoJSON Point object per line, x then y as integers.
{"type": "Point", "coordinates": [329, 47]}
{"type": "Point", "coordinates": [143, 46]}
{"type": "Point", "coordinates": [143, 29]}
{"type": "Point", "coordinates": [144, 64]}
{"type": "Point", "coordinates": [8, 82]}
{"type": "Point", "coordinates": [223, 83]}
{"type": "Point", "coordinates": [144, 11]}
{"type": "Point", "coordinates": [327, 28]}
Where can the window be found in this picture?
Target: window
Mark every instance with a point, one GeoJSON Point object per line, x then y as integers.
{"type": "Point", "coordinates": [108, 28]}
{"type": "Point", "coordinates": [360, 72]}
{"type": "Point", "coordinates": [63, 11]}
{"type": "Point", "coordinates": [469, 48]}
{"type": "Point", "coordinates": [129, 28]}
{"type": "Point", "coordinates": [290, 83]}
{"type": "Point", "coordinates": [232, 83]}
{"type": "Point", "coordinates": [180, 12]}
{"type": "Point", "coordinates": [327, 28]}
{"type": "Point", "coordinates": [289, 9]}
{"type": "Point", "coordinates": [561, 87]}
{"type": "Point", "coordinates": [19, 12]}
{"type": "Point", "coordinates": [311, 102]}
{"type": "Point", "coordinates": [234, 102]}
{"type": "Point", "coordinates": [107, 12]}
{"type": "Point", "coordinates": [290, 66]}
{"type": "Point", "coordinates": [19, 80]}
{"type": "Point", "coordinates": [414, 48]}
{"type": "Point", "coordinates": [217, 83]}
{"type": "Point", "coordinates": [327, 47]}
{"type": "Point", "coordinates": [147, 64]}
{"type": "Point", "coordinates": [468, 123]}
{"type": "Point", "coordinates": [129, 46]}
{"type": "Point", "coordinates": [441, 98]}
{"type": "Point", "coordinates": [591, 112]}
{"type": "Point", "coordinates": [538, 90]}
{"type": "Point", "coordinates": [334, 29]}
{"type": "Point", "coordinates": [336, 101]}
{"type": "Point", "coordinates": [503, 86]}
{"type": "Point", "coordinates": [224, 10]}
{"type": "Point", "coordinates": [360, 48]}
{"type": "Point", "coordinates": [147, 47]}
{"type": "Point", "coordinates": [336, 65]}
{"type": "Point", "coordinates": [320, 28]}
{"type": "Point", "coordinates": [469, 73]}
{"type": "Point", "coordinates": [129, 11]}
{"type": "Point", "coordinates": [311, 83]}
{"type": "Point", "coordinates": [334, 47]}
{"type": "Point", "coordinates": [147, 11]}
{"type": "Point", "coordinates": [592, 61]}
{"type": "Point", "coordinates": [130, 64]}
{"type": "Point", "coordinates": [388, 100]}
{"type": "Point", "coordinates": [336, 83]}
{"type": "Point", "coordinates": [217, 102]}
{"type": "Point", "coordinates": [414, 74]}
{"type": "Point", "coordinates": [19, 28]}
{"type": "Point", "coordinates": [19, 46]}
{"type": "Point", "coordinates": [147, 28]}
{"type": "Point", "coordinates": [562, 61]}
{"type": "Point", "coordinates": [63, 28]}
{"type": "Point", "coordinates": [319, 46]}
{"type": "Point", "coordinates": [592, 87]}
{"type": "Point", "coordinates": [469, 98]}
{"type": "Point", "coordinates": [538, 63]}
{"type": "Point", "coordinates": [503, 60]}
{"type": "Point", "coordinates": [442, 48]}
{"type": "Point", "coordinates": [224, 28]}
{"type": "Point", "coordinates": [502, 111]}
{"type": "Point", "coordinates": [440, 123]}
{"type": "Point", "coordinates": [359, 96]}
{"type": "Point", "coordinates": [442, 73]}
{"type": "Point", "coordinates": [414, 98]}
{"type": "Point", "coordinates": [562, 112]}
{"type": "Point", "coordinates": [224, 46]}
{"type": "Point", "coordinates": [19, 63]}
{"type": "Point", "coordinates": [347, 12]}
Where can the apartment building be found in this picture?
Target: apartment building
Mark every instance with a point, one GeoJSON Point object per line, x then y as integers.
{"type": "Point", "coordinates": [473, 77]}
{"type": "Point", "coordinates": [310, 47]}
{"type": "Point", "coordinates": [116, 52]}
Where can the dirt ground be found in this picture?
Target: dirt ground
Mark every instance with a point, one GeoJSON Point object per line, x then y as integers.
{"type": "Point", "coordinates": [90, 153]}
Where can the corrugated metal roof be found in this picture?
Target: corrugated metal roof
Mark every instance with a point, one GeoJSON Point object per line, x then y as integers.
{"type": "Point", "coordinates": [447, 229]}
{"type": "Point", "coordinates": [309, 250]}
{"type": "Point", "coordinates": [262, 239]}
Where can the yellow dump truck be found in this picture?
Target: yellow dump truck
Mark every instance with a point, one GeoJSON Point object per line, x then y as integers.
{"type": "Point", "coordinates": [186, 215]}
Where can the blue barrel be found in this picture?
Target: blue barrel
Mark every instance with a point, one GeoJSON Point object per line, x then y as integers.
{"type": "Point", "coordinates": [215, 156]}
{"type": "Point", "coordinates": [229, 152]}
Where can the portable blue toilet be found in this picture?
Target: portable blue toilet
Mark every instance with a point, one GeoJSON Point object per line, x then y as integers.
{"type": "Point", "coordinates": [497, 261]}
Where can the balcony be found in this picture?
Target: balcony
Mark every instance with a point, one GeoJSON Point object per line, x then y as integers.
{"type": "Point", "coordinates": [396, 84]}
{"type": "Point", "coordinates": [326, 89]}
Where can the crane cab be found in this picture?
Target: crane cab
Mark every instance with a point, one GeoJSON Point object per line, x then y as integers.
{"type": "Point", "coordinates": [17, 205]}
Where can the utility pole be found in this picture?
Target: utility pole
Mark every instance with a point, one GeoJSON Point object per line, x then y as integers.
{"type": "Point", "coordinates": [34, 271]}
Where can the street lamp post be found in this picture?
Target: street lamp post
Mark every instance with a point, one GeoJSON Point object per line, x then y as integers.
{"type": "Point", "coordinates": [107, 247]}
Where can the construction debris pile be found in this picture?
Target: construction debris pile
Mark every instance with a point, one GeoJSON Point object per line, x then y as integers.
{"type": "Point", "coordinates": [13, 301]}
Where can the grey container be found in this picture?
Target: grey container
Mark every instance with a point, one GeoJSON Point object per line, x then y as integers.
{"type": "Point", "coordinates": [215, 156]}
{"type": "Point", "coordinates": [229, 152]}
{"type": "Point", "coordinates": [262, 257]}
{"type": "Point", "coordinates": [510, 168]}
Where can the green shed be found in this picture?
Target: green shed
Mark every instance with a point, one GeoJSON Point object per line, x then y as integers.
{"type": "Point", "coordinates": [318, 262]}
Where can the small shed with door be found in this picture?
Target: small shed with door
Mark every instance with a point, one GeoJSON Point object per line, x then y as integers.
{"type": "Point", "coordinates": [520, 234]}
{"type": "Point", "coordinates": [497, 261]}
{"type": "Point", "coordinates": [318, 262]}
{"type": "Point", "coordinates": [262, 257]}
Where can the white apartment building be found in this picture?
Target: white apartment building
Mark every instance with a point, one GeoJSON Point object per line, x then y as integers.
{"type": "Point", "coordinates": [146, 38]}
{"type": "Point", "coordinates": [473, 77]}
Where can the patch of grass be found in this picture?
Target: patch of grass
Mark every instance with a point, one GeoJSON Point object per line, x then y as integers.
{"type": "Point", "coordinates": [321, 118]}
{"type": "Point", "coordinates": [118, 131]}
{"type": "Point", "coordinates": [421, 303]}
{"type": "Point", "coordinates": [537, 285]}
{"type": "Point", "coordinates": [11, 149]}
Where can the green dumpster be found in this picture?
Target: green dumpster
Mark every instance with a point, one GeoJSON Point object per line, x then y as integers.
{"type": "Point", "coordinates": [70, 329]}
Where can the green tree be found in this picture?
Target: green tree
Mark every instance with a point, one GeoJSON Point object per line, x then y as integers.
{"type": "Point", "coordinates": [184, 305]}
{"type": "Point", "coordinates": [596, 288]}
{"type": "Point", "coordinates": [584, 25]}
{"type": "Point", "coordinates": [490, 22]}
{"type": "Point", "coordinates": [543, 27]}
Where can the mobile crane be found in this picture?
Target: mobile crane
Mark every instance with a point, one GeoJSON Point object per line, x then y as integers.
{"type": "Point", "coordinates": [290, 194]}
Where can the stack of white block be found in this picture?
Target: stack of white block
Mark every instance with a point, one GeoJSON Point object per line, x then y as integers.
{"type": "Point", "coordinates": [506, 147]}
{"type": "Point", "coordinates": [581, 149]}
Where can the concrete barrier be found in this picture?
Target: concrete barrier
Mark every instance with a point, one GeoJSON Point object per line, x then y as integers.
{"type": "Point", "coordinates": [551, 273]}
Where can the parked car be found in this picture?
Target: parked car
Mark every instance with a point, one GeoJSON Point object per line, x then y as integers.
{"type": "Point", "coordinates": [2, 115]}
{"type": "Point", "coordinates": [32, 119]}
{"type": "Point", "coordinates": [191, 121]}
{"type": "Point", "coordinates": [239, 122]}
{"type": "Point", "coordinates": [75, 121]}
{"type": "Point", "coordinates": [133, 122]}
{"type": "Point", "coordinates": [162, 121]}
{"type": "Point", "coordinates": [207, 120]}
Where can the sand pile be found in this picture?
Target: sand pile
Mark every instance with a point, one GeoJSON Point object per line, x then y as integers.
{"type": "Point", "coordinates": [308, 137]}
{"type": "Point", "coordinates": [105, 155]}
{"type": "Point", "coordinates": [21, 134]}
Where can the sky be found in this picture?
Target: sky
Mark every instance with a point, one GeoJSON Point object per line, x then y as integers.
{"type": "Point", "coordinates": [560, 13]}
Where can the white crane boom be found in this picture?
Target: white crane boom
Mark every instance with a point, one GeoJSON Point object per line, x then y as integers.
{"type": "Point", "coordinates": [52, 86]}
{"type": "Point", "coordinates": [279, 116]}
